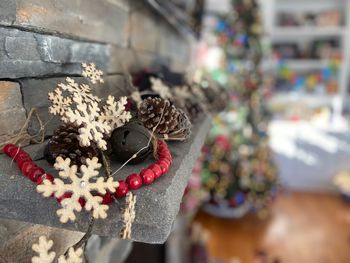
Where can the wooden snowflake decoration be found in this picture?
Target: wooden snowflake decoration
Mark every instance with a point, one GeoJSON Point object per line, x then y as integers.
{"type": "Point", "coordinates": [159, 87]}
{"type": "Point", "coordinates": [60, 104]}
{"type": "Point", "coordinates": [128, 215]}
{"type": "Point", "coordinates": [91, 72]}
{"type": "Point", "coordinates": [136, 96]}
{"type": "Point", "coordinates": [182, 92]}
{"type": "Point", "coordinates": [83, 90]}
{"type": "Point", "coordinates": [88, 116]}
{"type": "Point", "coordinates": [80, 187]}
{"type": "Point", "coordinates": [45, 256]}
{"type": "Point", "coordinates": [43, 251]}
{"type": "Point", "coordinates": [114, 114]}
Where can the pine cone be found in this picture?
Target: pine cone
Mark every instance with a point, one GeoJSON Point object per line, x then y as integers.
{"type": "Point", "coordinates": [150, 112]}
{"type": "Point", "coordinates": [182, 130]}
{"type": "Point", "coordinates": [65, 143]}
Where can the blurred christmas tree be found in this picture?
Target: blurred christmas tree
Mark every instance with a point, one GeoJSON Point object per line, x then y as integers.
{"type": "Point", "coordinates": [237, 167]}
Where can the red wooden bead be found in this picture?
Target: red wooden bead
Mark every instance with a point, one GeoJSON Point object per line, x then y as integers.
{"type": "Point", "coordinates": [134, 181]}
{"type": "Point", "coordinates": [8, 147]}
{"type": "Point", "coordinates": [43, 177]}
{"type": "Point", "coordinates": [107, 199]}
{"type": "Point", "coordinates": [14, 151]}
{"type": "Point", "coordinates": [22, 156]}
{"type": "Point", "coordinates": [147, 176]}
{"type": "Point", "coordinates": [165, 160]}
{"type": "Point", "coordinates": [26, 167]}
{"type": "Point", "coordinates": [157, 170]}
{"type": "Point", "coordinates": [22, 161]}
{"type": "Point", "coordinates": [164, 166]}
{"type": "Point", "coordinates": [82, 201]}
{"type": "Point", "coordinates": [35, 172]}
{"type": "Point", "coordinates": [64, 196]}
{"type": "Point", "coordinates": [122, 190]}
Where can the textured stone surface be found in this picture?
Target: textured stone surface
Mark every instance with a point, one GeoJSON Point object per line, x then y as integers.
{"type": "Point", "coordinates": [26, 54]}
{"type": "Point", "coordinates": [102, 21]}
{"type": "Point", "coordinates": [144, 30]}
{"type": "Point", "coordinates": [16, 239]}
{"type": "Point", "coordinates": [12, 113]}
{"type": "Point", "coordinates": [156, 207]}
{"type": "Point", "coordinates": [35, 96]}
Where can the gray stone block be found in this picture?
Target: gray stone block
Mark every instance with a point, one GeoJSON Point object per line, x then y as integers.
{"type": "Point", "coordinates": [156, 207]}
{"type": "Point", "coordinates": [144, 30]}
{"type": "Point", "coordinates": [35, 96]}
{"type": "Point", "coordinates": [26, 54]}
{"type": "Point", "coordinates": [102, 21]}
{"type": "Point", "coordinates": [12, 112]}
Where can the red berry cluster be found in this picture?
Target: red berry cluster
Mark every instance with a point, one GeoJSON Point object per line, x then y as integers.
{"type": "Point", "coordinates": [134, 181]}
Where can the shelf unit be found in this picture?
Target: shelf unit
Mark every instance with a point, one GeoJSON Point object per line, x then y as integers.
{"type": "Point", "coordinates": [301, 34]}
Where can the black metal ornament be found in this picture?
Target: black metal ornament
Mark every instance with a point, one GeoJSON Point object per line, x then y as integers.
{"type": "Point", "coordinates": [128, 140]}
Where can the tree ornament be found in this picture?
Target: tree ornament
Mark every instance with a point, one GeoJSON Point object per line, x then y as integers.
{"type": "Point", "coordinates": [65, 143]}
{"type": "Point", "coordinates": [126, 142]}
{"type": "Point", "coordinates": [159, 87]}
{"type": "Point", "coordinates": [91, 72]}
{"type": "Point", "coordinates": [182, 131]}
{"type": "Point", "coordinates": [80, 187]}
{"type": "Point", "coordinates": [114, 114]}
{"type": "Point", "coordinates": [159, 114]}
{"type": "Point", "coordinates": [92, 127]}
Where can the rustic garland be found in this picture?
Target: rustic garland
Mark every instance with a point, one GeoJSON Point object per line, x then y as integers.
{"type": "Point", "coordinates": [133, 182]}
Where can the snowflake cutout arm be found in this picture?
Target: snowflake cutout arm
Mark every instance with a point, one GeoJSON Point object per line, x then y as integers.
{"type": "Point", "coordinates": [114, 113]}
{"type": "Point", "coordinates": [43, 250]}
{"type": "Point", "coordinates": [80, 187]}
{"type": "Point", "coordinates": [162, 89]}
{"type": "Point", "coordinates": [83, 90]}
{"type": "Point", "coordinates": [60, 104]}
{"type": "Point", "coordinates": [88, 116]}
{"type": "Point", "coordinates": [92, 73]}
{"type": "Point", "coordinates": [74, 256]}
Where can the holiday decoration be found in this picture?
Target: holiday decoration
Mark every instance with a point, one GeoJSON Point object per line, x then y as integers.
{"type": "Point", "coordinates": [80, 187]}
{"type": "Point", "coordinates": [45, 256]}
{"type": "Point", "coordinates": [113, 109]}
{"type": "Point", "coordinates": [65, 143]}
{"type": "Point", "coordinates": [91, 72]}
{"type": "Point", "coordinates": [76, 105]}
{"type": "Point", "coordinates": [159, 87]}
{"type": "Point", "coordinates": [159, 114]}
{"type": "Point", "coordinates": [237, 168]}
{"type": "Point", "coordinates": [43, 251]}
{"type": "Point", "coordinates": [127, 139]}
{"type": "Point", "coordinates": [128, 215]}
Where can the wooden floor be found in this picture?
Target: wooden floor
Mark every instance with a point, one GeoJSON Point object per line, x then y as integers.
{"type": "Point", "coordinates": [302, 228]}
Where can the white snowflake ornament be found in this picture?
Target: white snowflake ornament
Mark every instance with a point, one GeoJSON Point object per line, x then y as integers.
{"type": "Point", "coordinates": [83, 90]}
{"type": "Point", "coordinates": [43, 251]}
{"type": "Point", "coordinates": [93, 128]}
{"type": "Point", "coordinates": [136, 96]}
{"type": "Point", "coordinates": [91, 72]}
{"type": "Point", "coordinates": [159, 87]}
{"type": "Point", "coordinates": [45, 256]}
{"type": "Point", "coordinates": [80, 187]}
{"type": "Point", "coordinates": [114, 113]}
{"type": "Point", "coordinates": [60, 104]}
{"type": "Point", "coordinates": [74, 256]}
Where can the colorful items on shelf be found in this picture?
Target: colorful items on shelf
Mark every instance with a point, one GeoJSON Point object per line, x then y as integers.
{"type": "Point", "coordinates": [321, 81]}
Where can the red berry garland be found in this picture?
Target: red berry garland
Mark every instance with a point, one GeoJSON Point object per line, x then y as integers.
{"type": "Point", "coordinates": [132, 182]}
